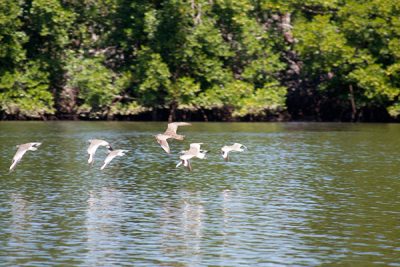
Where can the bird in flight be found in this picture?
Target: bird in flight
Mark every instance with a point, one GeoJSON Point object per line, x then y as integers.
{"type": "Point", "coordinates": [193, 152]}
{"type": "Point", "coordinates": [93, 146]}
{"type": "Point", "coordinates": [235, 147]}
{"type": "Point", "coordinates": [21, 152]}
{"type": "Point", "coordinates": [112, 154]}
{"type": "Point", "coordinates": [170, 133]}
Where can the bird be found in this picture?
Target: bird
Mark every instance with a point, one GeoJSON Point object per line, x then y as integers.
{"type": "Point", "coordinates": [194, 151]}
{"type": "Point", "coordinates": [112, 154]}
{"type": "Point", "coordinates": [235, 147]}
{"type": "Point", "coordinates": [93, 146]}
{"type": "Point", "coordinates": [21, 152]}
{"type": "Point", "coordinates": [170, 133]}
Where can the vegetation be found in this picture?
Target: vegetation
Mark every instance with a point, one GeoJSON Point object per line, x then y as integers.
{"type": "Point", "coordinates": [223, 59]}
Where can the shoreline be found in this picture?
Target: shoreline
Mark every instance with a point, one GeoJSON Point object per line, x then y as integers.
{"type": "Point", "coordinates": [212, 115]}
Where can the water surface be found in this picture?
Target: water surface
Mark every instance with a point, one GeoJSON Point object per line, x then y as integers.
{"type": "Point", "coordinates": [304, 194]}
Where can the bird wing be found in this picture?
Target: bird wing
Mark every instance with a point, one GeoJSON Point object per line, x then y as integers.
{"type": "Point", "coordinates": [19, 154]}
{"type": "Point", "coordinates": [109, 158]}
{"type": "Point", "coordinates": [195, 146]}
{"type": "Point", "coordinates": [164, 144]}
{"type": "Point", "coordinates": [95, 143]}
{"type": "Point", "coordinates": [237, 146]}
{"type": "Point", "coordinates": [187, 156]}
{"type": "Point", "coordinates": [91, 151]}
{"type": "Point", "coordinates": [225, 152]}
{"type": "Point", "coordinates": [193, 150]}
{"type": "Point", "coordinates": [93, 146]}
{"type": "Point", "coordinates": [173, 127]}
{"type": "Point", "coordinates": [226, 148]}
{"type": "Point", "coordinates": [179, 164]}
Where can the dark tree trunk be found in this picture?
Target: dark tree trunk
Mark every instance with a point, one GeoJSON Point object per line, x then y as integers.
{"type": "Point", "coordinates": [172, 111]}
{"type": "Point", "coordinates": [353, 103]}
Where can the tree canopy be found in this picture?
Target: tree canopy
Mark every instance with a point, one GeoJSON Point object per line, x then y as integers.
{"type": "Point", "coordinates": [324, 59]}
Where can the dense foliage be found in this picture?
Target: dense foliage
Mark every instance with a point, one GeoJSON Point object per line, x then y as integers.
{"type": "Point", "coordinates": [319, 59]}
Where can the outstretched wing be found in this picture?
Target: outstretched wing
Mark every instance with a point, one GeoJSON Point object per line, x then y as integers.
{"type": "Point", "coordinates": [225, 152]}
{"type": "Point", "coordinates": [164, 144]}
{"type": "Point", "coordinates": [93, 146]}
{"type": "Point", "coordinates": [195, 146]}
{"type": "Point", "coordinates": [173, 127]}
{"type": "Point", "coordinates": [13, 164]}
{"type": "Point", "coordinates": [108, 159]}
{"type": "Point", "coordinates": [237, 146]}
{"type": "Point", "coordinates": [91, 151]}
{"type": "Point", "coordinates": [18, 155]}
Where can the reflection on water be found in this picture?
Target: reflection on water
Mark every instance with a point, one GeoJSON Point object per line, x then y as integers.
{"type": "Point", "coordinates": [182, 227]}
{"type": "Point", "coordinates": [302, 195]}
{"type": "Point", "coordinates": [103, 220]}
{"type": "Point", "coordinates": [20, 224]}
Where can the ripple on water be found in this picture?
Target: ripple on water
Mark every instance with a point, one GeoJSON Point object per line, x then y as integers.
{"type": "Point", "coordinates": [303, 195]}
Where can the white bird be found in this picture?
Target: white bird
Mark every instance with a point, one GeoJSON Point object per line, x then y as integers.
{"type": "Point", "coordinates": [21, 152]}
{"type": "Point", "coordinates": [111, 155]}
{"type": "Point", "coordinates": [94, 145]}
{"type": "Point", "coordinates": [170, 133]}
{"type": "Point", "coordinates": [194, 151]}
{"type": "Point", "coordinates": [235, 147]}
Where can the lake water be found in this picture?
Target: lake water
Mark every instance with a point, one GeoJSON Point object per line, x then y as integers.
{"type": "Point", "coordinates": [304, 194]}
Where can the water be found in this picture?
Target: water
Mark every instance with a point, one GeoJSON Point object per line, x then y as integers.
{"type": "Point", "coordinates": [303, 195]}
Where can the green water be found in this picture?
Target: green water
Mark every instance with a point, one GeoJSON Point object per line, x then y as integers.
{"type": "Point", "coordinates": [302, 195]}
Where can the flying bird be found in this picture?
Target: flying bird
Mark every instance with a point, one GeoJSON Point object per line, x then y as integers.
{"type": "Point", "coordinates": [93, 146]}
{"type": "Point", "coordinates": [111, 155]}
{"type": "Point", "coordinates": [21, 152]}
{"type": "Point", "coordinates": [235, 147]}
{"type": "Point", "coordinates": [170, 133]}
{"type": "Point", "coordinates": [193, 152]}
